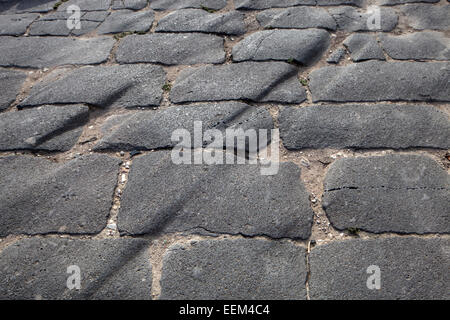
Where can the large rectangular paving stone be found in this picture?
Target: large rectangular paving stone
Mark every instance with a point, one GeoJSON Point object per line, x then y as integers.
{"type": "Point", "coordinates": [16, 24]}
{"type": "Point", "coordinates": [11, 82]}
{"type": "Point", "coordinates": [86, 5]}
{"type": "Point", "coordinates": [426, 16]}
{"type": "Point", "coordinates": [127, 21]}
{"type": "Point", "coordinates": [104, 86]}
{"type": "Point", "coordinates": [154, 129]}
{"type": "Point", "coordinates": [112, 269]}
{"type": "Point", "coordinates": [296, 18]}
{"type": "Point", "coordinates": [392, 193]}
{"type": "Point", "coordinates": [21, 6]}
{"type": "Point", "coordinates": [129, 4]}
{"type": "Point", "coordinates": [234, 269]}
{"type": "Point", "coordinates": [186, 4]}
{"type": "Point", "coordinates": [52, 128]}
{"type": "Point", "coordinates": [164, 197]}
{"type": "Point", "coordinates": [255, 81]}
{"type": "Point", "coordinates": [38, 196]}
{"type": "Point", "coordinates": [352, 19]}
{"type": "Point", "coordinates": [195, 20]}
{"type": "Point", "coordinates": [266, 4]}
{"type": "Point", "coordinates": [171, 48]}
{"type": "Point", "coordinates": [37, 52]}
{"type": "Point", "coordinates": [381, 81]}
{"type": "Point", "coordinates": [362, 126]}
{"type": "Point", "coordinates": [302, 46]}
{"type": "Point", "coordinates": [409, 268]}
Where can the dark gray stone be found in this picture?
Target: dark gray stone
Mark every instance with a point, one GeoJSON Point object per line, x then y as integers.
{"type": "Point", "coordinates": [352, 19]}
{"type": "Point", "coordinates": [302, 46]}
{"type": "Point", "coordinates": [20, 6]}
{"type": "Point", "coordinates": [234, 269]}
{"type": "Point", "coordinates": [360, 126]}
{"type": "Point", "coordinates": [38, 196]}
{"type": "Point", "coordinates": [186, 4]}
{"type": "Point", "coordinates": [52, 128]}
{"type": "Point", "coordinates": [336, 55]}
{"type": "Point", "coordinates": [363, 47]}
{"type": "Point", "coordinates": [255, 81]}
{"type": "Point", "coordinates": [267, 4]}
{"type": "Point", "coordinates": [86, 5]}
{"type": "Point", "coordinates": [410, 269]}
{"type": "Point", "coordinates": [426, 16]}
{"type": "Point", "coordinates": [296, 18]}
{"type": "Point", "coordinates": [153, 129]}
{"type": "Point", "coordinates": [417, 46]}
{"type": "Point", "coordinates": [16, 24]}
{"type": "Point", "coordinates": [127, 20]}
{"type": "Point", "coordinates": [164, 197]}
{"type": "Point", "coordinates": [116, 86]}
{"type": "Point", "coordinates": [395, 2]}
{"type": "Point", "coordinates": [129, 4]}
{"type": "Point", "coordinates": [113, 269]}
{"type": "Point", "coordinates": [194, 20]}
{"type": "Point", "coordinates": [392, 193]}
{"type": "Point", "coordinates": [171, 49]}
{"type": "Point", "coordinates": [381, 81]}
{"type": "Point", "coordinates": [10, 85]}
{"type": "Point", "coordinates": [36, 52]}
{"type": "Point", "coordinates": [59, 28]}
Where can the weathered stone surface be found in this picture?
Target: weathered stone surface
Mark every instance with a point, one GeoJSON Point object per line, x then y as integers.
{"type": "Point", "coordinates": [36, 52]}
{"type": "Point", "coordinates": [410, 268]}
{"type": "Point", "coordinates": [378, 81]}
{"type": "Point", "coordinates": [230, 198]}
{"type": "Point", "coordinates": [171, 48]}
{"type": "Point", "coordinates": [296, 18]}
{"type": "Point", "coordinates": [16, 24]}
{"type": "Point", "coordinates": [256, 81]}
{"type": "Point", "coordinates": [185, 4]}
{"type": "Point", "coordinates": [194, 20]}
{"type": "Point", "coordinates": [110, 269]}
{"type": "Point", "coordinates": [266, 4]}
{"type": "Point", "coordinates": [363, 47]}
{"type": "Point", "coordinates": [53, 128]}
{"type": "Point", "coordinates": [20, 6]}
{"type": "Point", "coordinates": [336, 55]}
{"type": "Point", "coordinates": [129, 4]}
{"type": "Point", "coordinates": [302, 46]}
{"type": "Point", "coordinates": [393, 193]}
{"type": "Point", "coordinates": [417, 46]}
{"type": "Point", "coordinates": [234, 269]}
{"type": "Point", "coordinates": [426, 16]}
{"type": "Point", "coordinates": [10, 84]}
{"type": "Point", "coordinates": [360, 126]}
{"type": "Point", "coordinates": [38, 196]}
{"type": "Point", "coordinates": [127, 20]}
{"type": "Point", "coordinates": [115, 86]}
{"type": "Point", "coordinates": [154, 129]}
{"type": "Point", "coordinates": [395, 2]}
{"type": "Point", "coordinates": [352, 19]}
{"type": "Point", "coordinates": [86, 5]}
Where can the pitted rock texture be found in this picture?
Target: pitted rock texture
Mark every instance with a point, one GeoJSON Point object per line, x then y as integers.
{"type": "Point", "coordinates": [302, 46]}
{"type": "Point", "coordinates": [392, 193]}
{"type": "Point", "coordinates": [10, 84]}
{"type": "Point", "coordinates": [171, 49]}
{"type": "Point", "coordinates": [16, 24]}
{"type": "Point", "coordinates": [234, 269]}
{"type": "Point", "coordinates": [20, 6]}
{"type": "Point", "coordinates": [127, 21]}
{"type": "Point", "coordinates": [425, 16]}
{"type": "Point", "coordinates": [195, 20]}
{"type": "Point", "coordinates": [86, 5]}
{"type": "Point", "coordinates": [52, 128]}
{"type": "Point", "coordinates": [381, 81]}
{"type": "Point", "coordinates": [265, 4]}
{"type": "Point", "coordinates": [296, 18]}
{"type": "Point", "coordinates": [35, 269]}
{"type": "Point", "coordinates": [40, 197]}
{"type": "Point", "coordinates": [364, 127]}
{"type": "Point", "coordinates": [104, 86]}
{"type": "Point", "coordinates": [363, 47]}
{"type": "Point", "coordinates": [351, 19]}
{"type": "Point", "coordinates": [255, 81]}
{"type": "Point", "coordinates": [128, 4]}
{"type": "Point", "coordinates": [37, 52]}
{"type": "Point", "coordinates": [341, 270]}
{"type": "Point", "coordinates": [154, 129]}
{"type": "Point", "coordinates": [185, 4]}
{"type": "Point", "coordinates": [162, 196]}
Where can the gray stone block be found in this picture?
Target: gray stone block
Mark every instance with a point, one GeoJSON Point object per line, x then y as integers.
{"type": "Point", "coordinates": [129, 4]}
{"type": "Point", "coordinates": [20, 6]}
{"type": "Point", "coordinates": [392, 193]}
{"type": "Point", "coordinates": [40, 197]}
{"type": "Point", "coordinates": [127, 21]}
{"type": "Point", "coordinates": [110, 269]}
{"type": "Point", "coordinates": [426, 16]}
{"type": "Point", "coordinates": [11, 82]}
{"type": "Point", "coordinates": [266, 4]}
{"type": "Point", "coordinates": [363, 47]}
{"type": "Point", "coordinates": [234, 269]}
{"type": "Point", "coordinates": [255, 81]}
{"type": "Point", "coordinates": [16, 24]}
{"type": "Point", "coordinates": [296, 18]}
{"type": "Point", "coordinates": [186, 4]}
{"type": "Point", "coordinates": [352, 19]}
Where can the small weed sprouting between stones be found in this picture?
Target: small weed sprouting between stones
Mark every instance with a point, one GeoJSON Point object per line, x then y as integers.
{"type": "Point", "coordinates": [208, 9]}
{"type": "Point", "coordinates": [167, 87]}
{"type": "Point", "coordinates": [303, 81]}
{"type": "Point", "coordinates": [118, 36]}
{"type": "Point", "coordinates": [56, 5]}
{"type": "Point", "coordinates": [290, 60]}
{"type": "Point", "coordinates": [353, 231]}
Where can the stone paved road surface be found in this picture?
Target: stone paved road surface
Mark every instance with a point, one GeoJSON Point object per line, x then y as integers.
{"type": "Point", "coordinates": [105, 111]}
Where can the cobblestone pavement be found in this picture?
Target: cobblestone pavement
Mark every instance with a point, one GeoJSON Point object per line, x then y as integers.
{"type": "Point", "coordinates": [93, 207]}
